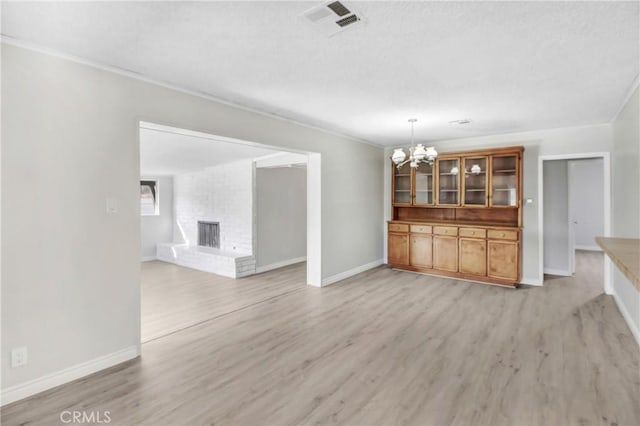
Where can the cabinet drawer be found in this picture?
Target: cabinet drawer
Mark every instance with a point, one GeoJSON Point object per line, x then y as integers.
{"type": "Point", "coordinates": [398, 227]}
{"type": "Point", "coordinates": [503, 234]}
{"type": "Point", "coordinates": [445, 230]}
{"type": "Point", "coordinates": [421, 229]}
{"type": "Point", "coordinates": [473, 232]}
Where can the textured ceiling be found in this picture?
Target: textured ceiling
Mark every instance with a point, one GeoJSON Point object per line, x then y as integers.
{"type": "Point", "coordinates": [508, 66]}
{"type": "Point", "coordinates": [167, 153]}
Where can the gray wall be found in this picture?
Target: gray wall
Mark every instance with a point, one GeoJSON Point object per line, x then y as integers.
{"type": "Point", "coordinates": [572, 140]}
{"type": "Point", "coordinates": [626, 199]}
{"type": "Point", "coordinates": [556, 218]}
{"type": "Point", "coordinates": [69, 141]}
{"type": "Point", "coordinates": [586, 192]}
{"type": "Point", "coordinates": [158, 229]}
{"type": "Point", "coordinates": [281, 210]}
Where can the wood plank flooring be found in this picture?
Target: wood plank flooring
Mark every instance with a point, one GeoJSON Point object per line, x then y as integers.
{"type": "Point", "coordinates": [174, 297]}
{"type": "Point", "coordinates": [384, 347]}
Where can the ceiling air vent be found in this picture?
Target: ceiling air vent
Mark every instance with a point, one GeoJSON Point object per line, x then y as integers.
{"type": "Point", "coordinates": [332, 17]}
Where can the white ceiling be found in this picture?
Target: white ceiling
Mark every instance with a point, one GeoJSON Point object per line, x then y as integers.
{"type": "Point", "coordinates": [509, 66]}
{"type": "Point", "coordinates": [164, 153]}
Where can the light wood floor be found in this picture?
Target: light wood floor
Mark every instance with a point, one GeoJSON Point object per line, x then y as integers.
{"type": "Point", "coordinates": [174, 297]}
{"type": "Point", "coordinates": [384, 347]}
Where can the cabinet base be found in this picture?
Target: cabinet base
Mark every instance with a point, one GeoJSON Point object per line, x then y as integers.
{"type": "Point", "coordinates": [456, 275]}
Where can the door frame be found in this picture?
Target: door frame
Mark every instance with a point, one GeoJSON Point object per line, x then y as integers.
{"type": "Point", "coordinates": [314, 191]}
{"type": "Point", "coordinates": [606, 160]}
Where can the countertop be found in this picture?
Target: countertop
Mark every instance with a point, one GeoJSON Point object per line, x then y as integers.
{"type": "Point", "coordinates": [625, 254]}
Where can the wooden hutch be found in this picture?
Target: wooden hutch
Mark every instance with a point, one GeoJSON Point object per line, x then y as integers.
{"type": "Point", "coordinates": [460, 217]}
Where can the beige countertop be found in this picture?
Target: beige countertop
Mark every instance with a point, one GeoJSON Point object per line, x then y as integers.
{"type": "Point", "coordinates": [625, 254]}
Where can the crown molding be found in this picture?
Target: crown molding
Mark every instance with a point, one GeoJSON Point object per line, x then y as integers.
{"type": "Point", "coordinates": [12, 41]}
{"type": "Point", "coordinates": [627, 96]}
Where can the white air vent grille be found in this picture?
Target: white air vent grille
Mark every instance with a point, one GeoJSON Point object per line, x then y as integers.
{"type": "Point", "coordinates": [332, 17]}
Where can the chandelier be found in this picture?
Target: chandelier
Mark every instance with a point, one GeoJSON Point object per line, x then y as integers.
{"type": "Point", "coordinates": [417, 154]}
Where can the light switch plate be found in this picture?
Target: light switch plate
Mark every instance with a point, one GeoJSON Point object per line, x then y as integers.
{"type": "Point", "coordinates": [18, 357]}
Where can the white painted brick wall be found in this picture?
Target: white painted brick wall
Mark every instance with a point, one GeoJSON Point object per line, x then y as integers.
{"type": "Point", "coordinates": [208, 260]}
{"type": "Point", "coordinates": [218, 194]}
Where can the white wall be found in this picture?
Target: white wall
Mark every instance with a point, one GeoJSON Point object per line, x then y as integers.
{"type": "Point", "coordinates": [586, 200]}
{"type": "Point", "coordinates": [218, 194]}
{"type": "Point", "coordinates": [544, 142]}
{"type": "Point", "coordinates": [70, 141]}
{"type": "Point", "coordinates": [281, 216]}
{"type": "Point", "coordinates": [556, 218]}
{"type": "Point", "coordinates": [626, 201]}
{"type": "Point", "coordinates": [158, 229]}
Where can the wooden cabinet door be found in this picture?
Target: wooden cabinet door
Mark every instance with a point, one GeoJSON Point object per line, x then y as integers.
{"type": "Point", "coordinates": [505, 181]}
{"type": "Point", "coordinates": [401, 185]}
{"type": "Point", "coordinates": [398, 249]}
{"type": "Point", "coordinates": [420, 251]}
{"type": "Point", "coordinates": [503, 260]}
{"type": "Point", "coordinates": [473, 256]}
{"type": "Point", "coordinates": [448, 180]}
{"type": "Point", "coordinates": [445, 253]}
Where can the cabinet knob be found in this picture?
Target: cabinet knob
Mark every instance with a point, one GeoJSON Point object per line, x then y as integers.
{"type": "Point", "coordinates": [503, 234]}
{"type": "Point", "coordinates": [446, 231]}
{"type": "Point", "coordinates": [473, 232]}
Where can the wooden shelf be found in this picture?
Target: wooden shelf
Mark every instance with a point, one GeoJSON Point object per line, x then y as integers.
{"type": "Point", "coordinates": [424, 190]}
{"type": "Point", "coordinates": [503, 189]}
{"type": "Point", "coordinates": [448, 190]}
{"type": "Point", "coordinates": [402, 190]}
{"type": "Point", "coordinates": [505, 171]}
{"type": "Point", "coordinates": [403, 174]}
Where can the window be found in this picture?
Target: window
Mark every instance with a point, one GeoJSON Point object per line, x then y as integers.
{"type": "Point", "coordinates": [149, 198]}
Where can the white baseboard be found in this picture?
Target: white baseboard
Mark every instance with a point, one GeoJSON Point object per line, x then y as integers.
{"type": "Point", "coordinates": [41, 384]}
{"type": "Point", "coordinates": [148, 258]}
{"type": "Point", "coordinates": [531, 281]}
{"type": "Point", "coordinates": [560, 272]}
{"type": "Point", "coordinates": [588, 248]}
{"type": "Point", "coordinates": [351, 272]}
{"type": "Point", "coordinates": [627, 317]}
{"type": "Point", "coordinates": [276, 265]}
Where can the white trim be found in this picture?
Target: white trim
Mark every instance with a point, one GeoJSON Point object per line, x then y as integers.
{"type": "Point", "coordinates": [531, 281]}
{"type": "Point", "coordinates": [558, 272]}
{"type": "Point", "coordinates": [276, 265]}
{"type": "Point", "coordinates": [606, 159]}
{"type": "Point", "coordinates": [627, 317]}
{"type": "Point", "coordinates": [588, 248]}
{"type": "Point", "coordinates": [627, 96]}
{"type": "Point", "coordinates": [148, 258]}
{"type": "Point", "coordinates": [351, 272]}
{"type": "Point", "coordinates": [56, 53]}
{"type": "Point", "coordinates": [314, 220]}
{"type": "Point", "coordinates": [41, 384]}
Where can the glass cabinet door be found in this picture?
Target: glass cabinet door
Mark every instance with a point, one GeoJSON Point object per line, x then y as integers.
{"type": "Point", "coordinates": [402, 185]}
{"type": "Point", "coordinates": [448, 181]}
{"type": "Point", "coordinates": [424, 184]}
{"type": "Point", "coordinates": [504, 181]}
{"type": "Point", "coordinates": [474, 181]}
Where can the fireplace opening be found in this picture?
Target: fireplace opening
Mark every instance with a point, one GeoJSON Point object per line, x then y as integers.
{"type": "Point", "coordinates": [209, 234]}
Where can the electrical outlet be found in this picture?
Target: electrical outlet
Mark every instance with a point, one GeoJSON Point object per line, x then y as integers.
{"type": "Point", "coordinates": [18, 357]}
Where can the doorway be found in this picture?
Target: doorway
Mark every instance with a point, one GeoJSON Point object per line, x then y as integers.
{"type": "Point", "coordinates": [575, 206]}
{"type": "Point", "coordinates": [199, 220]}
